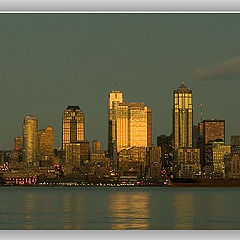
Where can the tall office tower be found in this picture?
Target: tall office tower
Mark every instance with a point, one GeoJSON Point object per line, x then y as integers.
{"type": "Point", "coordinates": [129, 125]}
{"type": "Point", "coordinates": [213, 129]}
{"type": "Point", "coordinates": [182, 117]}
{"type": "Point", "coordinates": [96, 146]}
{"type": "Point", "coordinates": [73, 126]}
{"type": "Point", "coordinates": [115, 97]}
{"type": "Point", "coordinates": [235, 144]}
{"type": "Point", "coordinates": [45, 144]}
{"type": "Point", "coordinates": [18, 143]}
{"type": "Point", "coordinates": [30, 128]}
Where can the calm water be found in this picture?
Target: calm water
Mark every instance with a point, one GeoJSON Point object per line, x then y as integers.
{"type": "Point", "coordinates": [119, 208]}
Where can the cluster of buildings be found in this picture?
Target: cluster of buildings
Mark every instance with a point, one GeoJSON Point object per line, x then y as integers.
{"type": "Point", "coordinates": [189, 152]}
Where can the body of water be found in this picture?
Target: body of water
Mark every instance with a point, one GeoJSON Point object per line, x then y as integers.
{"type": "Point", "coordinates": [119, 208]}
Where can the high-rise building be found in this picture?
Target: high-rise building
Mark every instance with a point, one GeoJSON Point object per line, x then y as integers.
{"type": "Point", "coordinates": [210, 131]}
{"type": "Point", "coordinates": [18, 143]}
{"type": "Point", "coordinates": [182, 117]}
{"type": "Point", "coordinates": [166, 144]}
{"type": "Point", "coordinates": [129, 124]}
{"type": "Point", "coordinates": [73, 128]}
{"type": "Point", "coordinates": [45, 144]}
{"type": "Point", "coordinates": [213, 129]}
{"type": "Point", "coordinates": [30, 128]}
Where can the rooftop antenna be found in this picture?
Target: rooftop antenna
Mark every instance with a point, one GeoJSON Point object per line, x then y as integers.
{"type": "Point", "coordinates": [201, 113]}
{"type": "Point", "coordinates": [116, 85]}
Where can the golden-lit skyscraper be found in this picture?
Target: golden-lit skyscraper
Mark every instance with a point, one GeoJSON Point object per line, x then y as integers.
{"type": "Point", "coordinates": [45, 143]}
{"type": "Point", "coordinates": [73, 125]}
{"type": "Point", "coordinates": [129, 123]}
{"type": "Point", "coordinates": [30, 128]}
{"type": "Point", "coordinates": [182, 117]}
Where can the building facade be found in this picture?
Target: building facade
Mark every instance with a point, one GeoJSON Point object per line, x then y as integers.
{"type": "Point", "coordinates": [30, 128]}
{"type": "Point", "coordinates": [18, 143]}
{"type": "Point", "coordinates": [46, 144]}
{"type": "Point", "coordinates": [219, 151]}
{"type": "Point", "coordinates": [77, 153]}
{"type": "Point", "coordinates": [129, 124]}
{"type": "Point", "coordinates": [73, 126]}
{"type": "Point", "coordinates": [182, 117]}
{"type": "Point", "coordinates": [187, 163]}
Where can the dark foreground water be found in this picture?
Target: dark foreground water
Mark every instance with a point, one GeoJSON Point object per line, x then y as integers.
{"type": "Point", "coordinates": [119, 208]}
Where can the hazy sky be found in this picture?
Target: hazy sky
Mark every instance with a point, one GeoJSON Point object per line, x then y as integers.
{"type": "Point", "coordinates": [50, 61]}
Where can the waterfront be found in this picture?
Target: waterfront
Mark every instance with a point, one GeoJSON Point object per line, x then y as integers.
{"type": "Point", "coordinates": [119, 208]}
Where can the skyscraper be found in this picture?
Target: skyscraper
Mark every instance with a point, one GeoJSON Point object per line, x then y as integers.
{"type": "Point", "coordinates": [45, 144]}
{"type": "Point", "coordinates": [129, 123]}
{"type": "Point", "coordinates": [30, 128]}
{"type": "Point", "coordinates": [73, 125]}
{"type": "Point", "coordinates": [182, 117]}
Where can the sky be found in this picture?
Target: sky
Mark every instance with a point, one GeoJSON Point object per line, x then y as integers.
{"type": "Point", "coordinates": [50, 61]}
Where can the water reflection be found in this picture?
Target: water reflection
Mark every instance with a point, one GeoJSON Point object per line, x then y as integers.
{"type": "Point", "coordinates": [129, 210]}
{"type": "Point", "coordinates": [72, 211]}
{"type": "Point", "coordinates": [29, 209]}
{"type": "Point", "coordinates": [183, 204]}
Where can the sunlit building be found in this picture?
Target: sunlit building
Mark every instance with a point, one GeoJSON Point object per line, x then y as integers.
{"type": "Point", "coordinates": [129, 124]}
{"type": "Point", "coordinates": [182, 117]}
{"type": "Point", "coordinates": [45, 144]}
{"type": "Point", "coordinates": [73, 128]}
{"type": "Point", "coordinates": [30, 128]}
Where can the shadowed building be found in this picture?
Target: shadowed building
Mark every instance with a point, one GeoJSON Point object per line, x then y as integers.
{"type": "Point", "coordinates": [182, 117]}
{"type": "Point", "coordinates": [77, 154]}
{"type": "Point", "coordinates": [132, 162]}
{"type": "Point", "coordinates": [96, 146]}
{"type": "Point", "coordinates": [219, 151]}
{"type": "Point", "coordinates": [18, 143]}
{"type": "Point", "coordinates": [188, 162]}
{"type": "Point", "coordinates": [235, 144]}
{"type": "Point", "coordinates": [30, 128]}
{"type": "Point", "coordinates": [73, 128]}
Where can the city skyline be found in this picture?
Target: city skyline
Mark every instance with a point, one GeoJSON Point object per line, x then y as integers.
{"type": "Point", "coordinates": [52, 61]}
